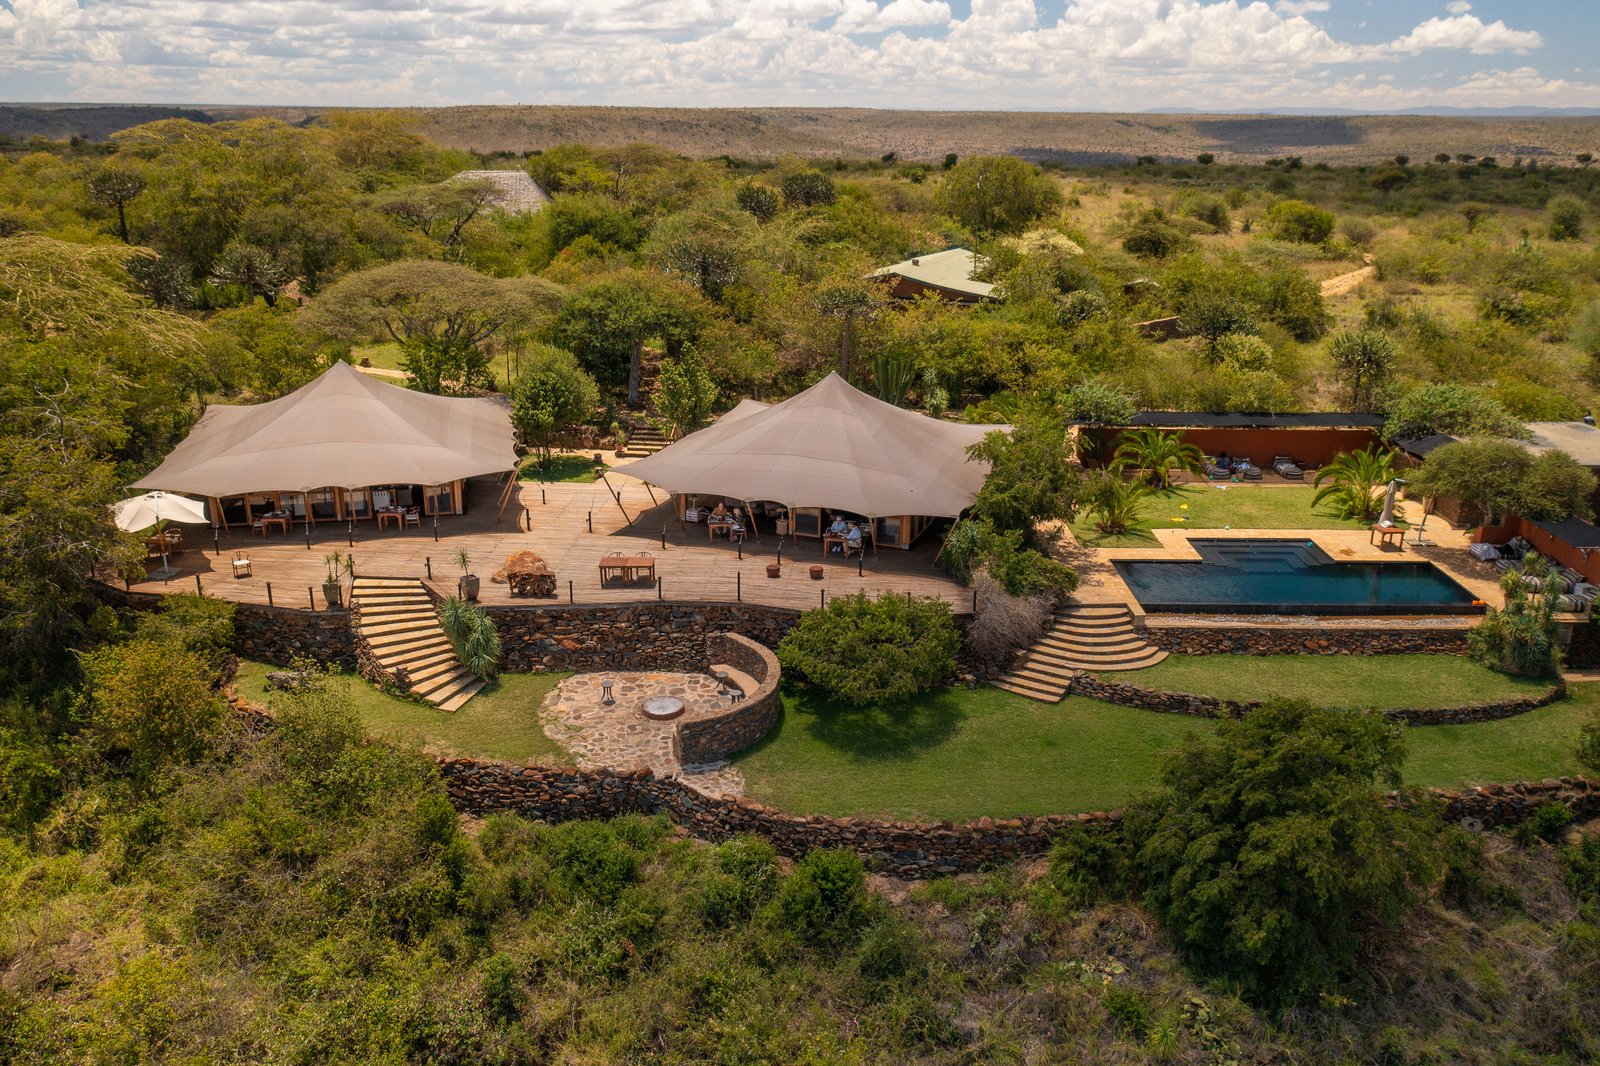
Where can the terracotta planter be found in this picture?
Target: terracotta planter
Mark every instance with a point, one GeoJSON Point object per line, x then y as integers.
{"type": "Point", "coordinates": [816, 573]}
{"type": "Point", "coordinates": [773, 569]}
{"type": "Point", "coordinates": [468, 587]}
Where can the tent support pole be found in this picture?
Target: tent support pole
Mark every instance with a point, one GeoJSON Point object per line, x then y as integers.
{"type": "Point", "coordinates": [617, 498]}
{"type": "Point", "coordinates": [751, 511]}
{"type": "Point", "coordinates": [507, 492]}
{"type": "Point", "coordinates": [946, 541]}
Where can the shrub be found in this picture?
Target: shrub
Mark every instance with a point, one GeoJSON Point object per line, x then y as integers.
{"type": "Point", "coordinates": [1088, 866]}
{"type": "Point", "coordinates": [888, 951]}
{"type": "Point", "coordinates": [150, 704]}
{"type": "Point", "coordinates": [872, 651]}
{"type": "Point", "coordinates": [1548, 823]}
{"type": "Point", "coordinates": [1127, 1009]}
{"type": "Point", "coordinates": [552, 393]}
{"type": "Point", "coordinates": [825, 899]}
{"type": "Point", "coordinates": [1566, 218]}
{"type": "Point", "coordinates": [760, 201]}
{"type": "Point", "coordinates": [590, 860]}
{"type": "Point", "coordinates": [472, 633]}
{"type": "Point", "coordinates": [1004, 622]}
{"type": "Point", "coordinates": [1298, 221]}
{"type": "Point", "coordinates": [201, 624]}
{"type": "Point", "coordinates": [1270, 853]}
{"type": "Point", "coordinates": [746, 875]}
{"type": "Point", "coordinates": [1523, 638]}
{"type": "Point", "coordinates": [808, 188]}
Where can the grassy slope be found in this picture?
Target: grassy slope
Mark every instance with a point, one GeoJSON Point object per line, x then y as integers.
{"type": "Point", "coordinates": [1348, 680]}
{"type": "Point", "coordinates": [1215, 506]}
{"type": "Point", "coordinates": [501, 722]}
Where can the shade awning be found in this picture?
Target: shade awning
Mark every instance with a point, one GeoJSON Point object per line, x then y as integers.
{"type": "Point", "coordinates": [344, 429]}
{"type": "Point", "coordinates": [830, 446]}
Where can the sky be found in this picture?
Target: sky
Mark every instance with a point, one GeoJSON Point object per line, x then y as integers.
{"type": "Point", "coordinates": [1054, 55]}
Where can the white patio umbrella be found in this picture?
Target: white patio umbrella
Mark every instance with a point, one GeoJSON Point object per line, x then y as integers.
{"type": "Point", "coordinates": [153, 508]}
{"type": "Point", "coordinates": [1387, 518]}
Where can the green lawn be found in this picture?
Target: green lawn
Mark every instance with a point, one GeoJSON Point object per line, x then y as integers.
{"type": "Point", "coordinates": [560, 468]}
{"type": "Point", "coordinates": [501, 722]}
{"type": "Point", "coordinates": [961, 754]}
{"type": "Point", "coordinates": [1346, 680]}
{"type": "Point", "coordinates": [1218, 506]}
{"type": "Point", "coordinates": [957, 754]}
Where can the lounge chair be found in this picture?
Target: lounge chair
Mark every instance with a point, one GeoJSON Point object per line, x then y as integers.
{"type": "Point", "coordinates": [1286, 468]}
{"type": "Point", "coordinates": [1247, 470]}
{"type": "Point", "coordinates": [1484, 553]}
{"type": "Point", "coordinates": [1214, 470]}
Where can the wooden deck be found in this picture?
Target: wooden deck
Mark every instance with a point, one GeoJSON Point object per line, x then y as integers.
{"type": "Point", "coordinates": [691, 568]}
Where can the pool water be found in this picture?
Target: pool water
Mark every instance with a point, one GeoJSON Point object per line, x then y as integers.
{"type": "Point", "coordinates": [1291, 577]}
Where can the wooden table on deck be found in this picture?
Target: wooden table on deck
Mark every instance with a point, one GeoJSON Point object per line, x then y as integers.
{"type": "Point", "coordinates": [399, 517]}
{"type": "Point", "coordinates": [627, 567]}
{"type": "Point", "coordinates": [729, 527]}
{"type": "Point", "coordinates": [270, 520]}
{"type": "Point", "coordinates": [1385, 534]}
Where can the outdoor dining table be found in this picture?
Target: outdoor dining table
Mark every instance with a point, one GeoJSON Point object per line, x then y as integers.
{"type": "Point", "coordinates": [279, 520]}
{"type": "Point", "coordinates": [730, 527]}
{"type": "Point", "coordinates": [385, 514]}
{"type": "Point", "coordinates": [627, 567]}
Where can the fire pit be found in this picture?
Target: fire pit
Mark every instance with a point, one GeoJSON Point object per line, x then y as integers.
{"type": "Point", "coordinates": [662, 708]}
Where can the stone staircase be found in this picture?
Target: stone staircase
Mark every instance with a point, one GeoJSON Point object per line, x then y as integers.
{"type": "Point", "coordinates": [645, 439]}
{"type": "Point", "coordinates": [1095, 637]}
{"type": "Point", "coordinates": [402, 631]}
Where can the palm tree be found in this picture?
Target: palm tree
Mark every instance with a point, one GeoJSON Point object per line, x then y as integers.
{"type": "Point", "coordinates": [1115, 502]}
{"type": "Point", "coordinates": [1154, 454]}
{"type": "Point", "coordinates": [1354, 479]}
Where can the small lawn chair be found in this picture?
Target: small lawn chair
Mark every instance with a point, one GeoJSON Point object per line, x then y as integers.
{"type": "Point", "coordinates": [241, 565]}
{"type": "Point", "coordinates": [413, 517]}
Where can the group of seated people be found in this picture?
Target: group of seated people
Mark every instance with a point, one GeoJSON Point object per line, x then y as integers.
{"type": "Point", "coordinates": [1222, 468]}
{"type": "Point", "coordinates": [849, 530]}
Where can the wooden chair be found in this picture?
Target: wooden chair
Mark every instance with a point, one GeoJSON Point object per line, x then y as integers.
{"type": "Point", "coordinates": [413, 517]}
{"type": "Point", "coordinates": [241, 565]}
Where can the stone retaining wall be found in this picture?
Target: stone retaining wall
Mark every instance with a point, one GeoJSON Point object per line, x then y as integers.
{"type": "Point", "coordinates": [1130, 695]}
{"type": "Point", "coordinates": [281, 634]}
{"type": "Point", "coordinates": [904, 849]}
{"type": "Point", "coordinates": [648, 636]}
{"type": "Point", "coordinates": [1306, 640]}
{"type": "Point", "coordinates": [707, 740]}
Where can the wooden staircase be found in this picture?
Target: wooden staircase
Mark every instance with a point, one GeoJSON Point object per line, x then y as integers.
{"type": "Point", "coordinates": [1093, 637]}
{"type": "Point", "coordinates": [645, 439]}
{"type": "Point", "coordinates": [402, 630]}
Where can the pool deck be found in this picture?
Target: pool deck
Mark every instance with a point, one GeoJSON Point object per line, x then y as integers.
{"type": "Point", "coordinates": [1445, 547]}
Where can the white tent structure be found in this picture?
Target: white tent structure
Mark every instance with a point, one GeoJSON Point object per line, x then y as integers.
{"type": "Point", "coordinates": [831, 446]}
{"type": "Point", "coordinates": [344, 430]}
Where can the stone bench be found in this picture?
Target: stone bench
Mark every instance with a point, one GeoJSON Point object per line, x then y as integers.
{"type": "Point", "coordinates": [736, 677]}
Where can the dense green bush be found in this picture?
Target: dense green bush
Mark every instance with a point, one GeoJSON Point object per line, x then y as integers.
{"type": "Point", "coordinates": [1271, 855]}
{"type": "Point", "coordinates": [1296, 220]}
{"type": "Point", "coordinates": [862, 650]}
{"type": "Point", "coordinates": [472, 633]}
{"type": "Point", "coordinates": [825, 899]}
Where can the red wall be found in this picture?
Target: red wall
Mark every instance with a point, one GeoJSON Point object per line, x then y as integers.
{"type": "Point", "coordinates": [1550, 547]}
{"type": "Point", "coordinates": [1314, 446]}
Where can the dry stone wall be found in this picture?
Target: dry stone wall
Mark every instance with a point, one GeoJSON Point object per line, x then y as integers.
{"type": "Point", "coordinates": [651, 636]}
{"type": "Point", "coordinates": [706, 740]}
{"type": "Point", "coordinates": [1307, 640]}
{"type": "Point", "coordinates": [1130, 695]}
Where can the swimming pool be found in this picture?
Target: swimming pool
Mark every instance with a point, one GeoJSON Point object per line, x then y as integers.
{"type": "Point", "coordinates": [1291, 577]}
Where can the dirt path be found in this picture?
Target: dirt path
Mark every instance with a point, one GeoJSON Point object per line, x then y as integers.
{"type": "Point", "coordinates": [1344, 283]}
{"type": "Point", "coordinates": [380, 372]}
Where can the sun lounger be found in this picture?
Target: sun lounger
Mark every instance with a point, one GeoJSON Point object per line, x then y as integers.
{"type": "Point", "coordinates": [1247, 470]}
{"type": "Point", "coordinates": [1286, 468]}
{"type": "Point", "coordinates": [1484, 553]}
{"type": "Point", "coordinates": [1215, 470]}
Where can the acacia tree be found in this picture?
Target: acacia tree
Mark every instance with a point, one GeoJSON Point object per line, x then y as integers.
{"type": "Point", "coordinates": [684, 394]}
{"type": "Point", "coordinates": [440, 212]}
{"type": "Point", "coordinates": [997, 194]}
{"type": "Point", "coordinates": [1363, 360]}
{"type": "Point", "coordinates": [608, 322]}
{"type": "Point", "coordinates": [442, 315]}
{"type": "Point", "coordinates": [1502, 478]}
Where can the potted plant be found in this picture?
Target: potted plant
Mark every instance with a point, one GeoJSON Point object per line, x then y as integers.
{"type": "Point", "coordinates": [620, 433]}
{"type": "Point", "coordinates": [469, 581]}
{"type": "Point", "coordinates": [332, 590]}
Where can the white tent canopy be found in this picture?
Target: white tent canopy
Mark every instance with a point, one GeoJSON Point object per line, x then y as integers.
{"type": "Point", "coordinates": [830, 446]}
{"type": "Point", "coordinates": [345, 429]}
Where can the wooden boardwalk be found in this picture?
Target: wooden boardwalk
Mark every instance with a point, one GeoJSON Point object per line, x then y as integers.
{"type": "Point", "coordinates": [691, 567]}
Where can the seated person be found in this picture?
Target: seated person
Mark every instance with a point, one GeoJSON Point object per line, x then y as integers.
{"type": "Point", "coordinates": [839, 526]}
{"type": "Point", "coordinates": [853, 539]}
{"type": "Point", "coordinates": [1222, 461]}
{"type": "Point", "coordinates": [720, 510]}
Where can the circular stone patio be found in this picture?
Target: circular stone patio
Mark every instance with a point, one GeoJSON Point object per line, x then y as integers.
{"type": "Point", "coordinates": [621, 737]}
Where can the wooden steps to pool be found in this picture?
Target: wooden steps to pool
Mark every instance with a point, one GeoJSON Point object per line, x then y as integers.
{"type": "Point", "coordinates": [1095, 637]}
{"type": "Point", "coordinates": [401, 628]}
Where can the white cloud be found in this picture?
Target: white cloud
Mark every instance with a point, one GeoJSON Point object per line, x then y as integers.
{"type": "Point", "coordinates": [1468, 32]}
{"type": "Point", "coordinates": [1458, 7]}
{"type": "Point", "coordinates": [1098, 54]}
{"type": "Point", "coordinates": [1300, 7]}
